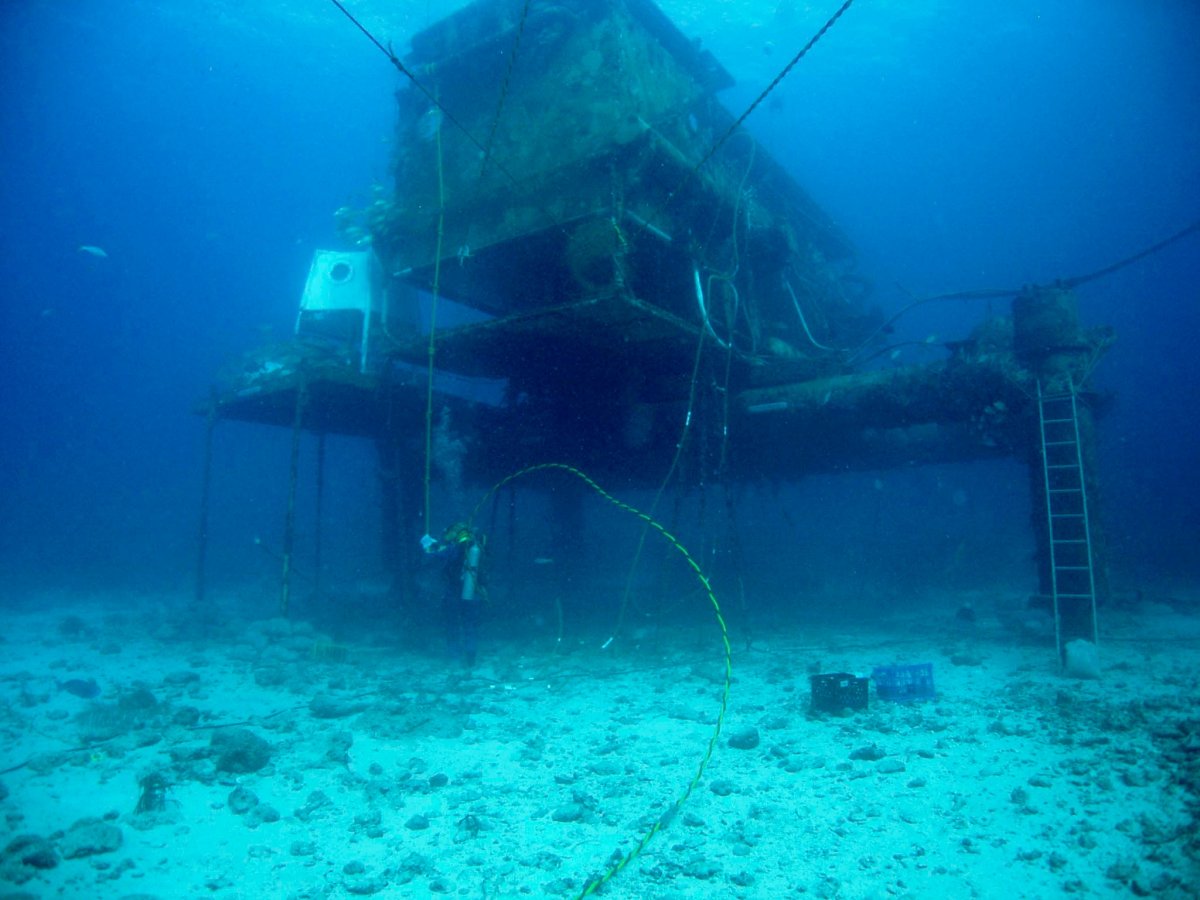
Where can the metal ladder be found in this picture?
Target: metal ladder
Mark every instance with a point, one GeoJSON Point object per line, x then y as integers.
{"type": "Point", "coordinates": [1072, 574]}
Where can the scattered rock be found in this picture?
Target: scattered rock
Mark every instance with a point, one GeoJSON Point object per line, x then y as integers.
{"type": "Point", "coordinates": [369, 884]}
{"type": "Point", "coordinates": [606, 767]}
{"type": "Point", "coordinates": [713, 674]}
{"type": "Point", "coordinates": [1081, 659]}
{"type": "Point", "coordinates": [417, 823]}
{"type": "Point", "coordinates": [966, 659]}
{"type": "Point", "coordinates": [270, 676]}
{"type": "Point", "coordinates": [701, 868]}
{"type": "Point", "coordinates": [568, 812]}
{"type": "Point", "coordinates": [29, 851]}
{"type": "Point", "coordinates": [241, 801]}
{"type": "Point", "coordinates": [87, 837]}
{"type": "Point", "coordinates": [180, 678]}
{"type": "Point", "coordinates": [1133, 777]}
{"type": "Point", "coordinates": [909, 814]}
{"type": "Point", "coordinates": [368, 819]}
{"type": "Point", "coordinates": [889, 766]}
{"type": "Point", "coordinates": [722, 787]}
{"type": "Point", "coordinates": [262, 814]}
{"type": "Point", "coordinates": [744, 738]}
{"type": "Point", "coordinates": [871, 753]}
{"type": "Point", "coordinates": [799, 762]}
{"type": "Point", "coordinates": [327, 706]}
{"type": "Point", "coordinates": [137, 700]}
{"type": "Point", "coordinates": [1123, 871]}
{"type": "Point", "coordinates": [318, 802]}
{"type": "Point", "coordinates": [689, 714]}
{"type": "Point", "coordinates": [340, 743]}
{"type": "Point", "coordinates": [240, 751]}
{"type": "Point", "coordinates": [73, 628]}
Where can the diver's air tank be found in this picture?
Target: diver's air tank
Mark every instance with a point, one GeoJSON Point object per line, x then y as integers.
{"type": "Point", "coordinates": [470, 572]}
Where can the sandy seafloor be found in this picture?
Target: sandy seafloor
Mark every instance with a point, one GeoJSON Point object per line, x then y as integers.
{"type": "Point", "coordinates": [385, 769]}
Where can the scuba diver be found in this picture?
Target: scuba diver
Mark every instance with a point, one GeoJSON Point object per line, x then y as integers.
{"type": "Point", "coordinates": [462, 589]}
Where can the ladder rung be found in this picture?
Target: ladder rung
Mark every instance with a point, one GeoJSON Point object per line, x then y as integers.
{"type": "Point", "coordinates": [1068, 540]}
{"type": "Point", "coordinates": [1057, 421]}
{"type": "Point", "coordinates": [1076, 596]}
{"type": "Point", "coordinates": [1072, 568]}
{"type": "Point", "coordinates": [1061, 466]}
{"type": "Point", "coordinates": [1066, 491]}
{"type": "Point", "coordinates": [1067, 515]}
{"type": "Point", "coordinates": [1059, 443]}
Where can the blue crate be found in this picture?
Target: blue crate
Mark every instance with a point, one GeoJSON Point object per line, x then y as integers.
{"type": "Point", "coordinates": [904, 684]}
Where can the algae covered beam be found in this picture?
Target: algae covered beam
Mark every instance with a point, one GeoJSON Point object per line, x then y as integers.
{"type": "Point", "coordinates": [952, 391]}
{"type": "Point", "coordinates": [956, 410]}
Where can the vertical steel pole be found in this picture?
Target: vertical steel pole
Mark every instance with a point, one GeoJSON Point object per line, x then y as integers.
{"type": "Point", "coordinates": [289, 526]}
{"type": "Point", "coordinates": [205, 489]}
{"type": "Point", "coordinates": [319, 512]}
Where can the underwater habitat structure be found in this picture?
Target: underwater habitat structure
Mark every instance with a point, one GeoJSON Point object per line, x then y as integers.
{"type": "Point", "coordinates": [647, 283]}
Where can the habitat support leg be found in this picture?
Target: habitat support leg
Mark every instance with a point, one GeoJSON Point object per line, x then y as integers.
{"type": "Point", "coordinates": [1039, 519]}
{"type": "Point", "coordinates": [289, 525]}
{"type": "Point", "coordinates": [319, 513]}
{"type": "Point", "coordinates": [399, 491]}
{"type": "Point", "coordinates": [205, 487]}
{"type": "Point", "coordinates": [566, 505]}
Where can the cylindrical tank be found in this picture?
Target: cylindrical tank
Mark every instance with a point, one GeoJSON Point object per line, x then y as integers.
{"type": "Point", "coordinates": [1045, 321]}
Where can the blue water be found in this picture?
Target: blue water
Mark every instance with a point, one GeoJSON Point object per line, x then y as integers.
{"type": "Point", "coordinates": [204, 147]}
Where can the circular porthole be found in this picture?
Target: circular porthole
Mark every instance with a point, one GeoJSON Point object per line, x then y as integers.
{"type": "Point", "coordinates": [341, 272]}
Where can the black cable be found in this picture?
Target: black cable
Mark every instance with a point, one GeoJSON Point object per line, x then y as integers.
{"type": "Point", "coordinates": [720, 142]}
{"type": "Point", "coordinates": [1129, 260]}
{"type": "Point", "coordinates": [920, 301]}
{"type": "Point", "coordinates": [512, 62]}
{"type": "Point", "coordinates": [400, 67]}
{"type": "Point", "coordinates": [994, 294]}
{"type": "Point", "coordinates": [403, 70]}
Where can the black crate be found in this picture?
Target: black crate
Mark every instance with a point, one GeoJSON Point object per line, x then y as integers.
{"type": "Point", "coordinates": [836, 691]}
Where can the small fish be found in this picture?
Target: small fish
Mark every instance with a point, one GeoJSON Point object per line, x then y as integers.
{"type": "Point", "coordinates": [87, 689]}
{"type": "Point", "coordinates": [543, 561]}
{"type": "Point", "coordinates": [93, 250]}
